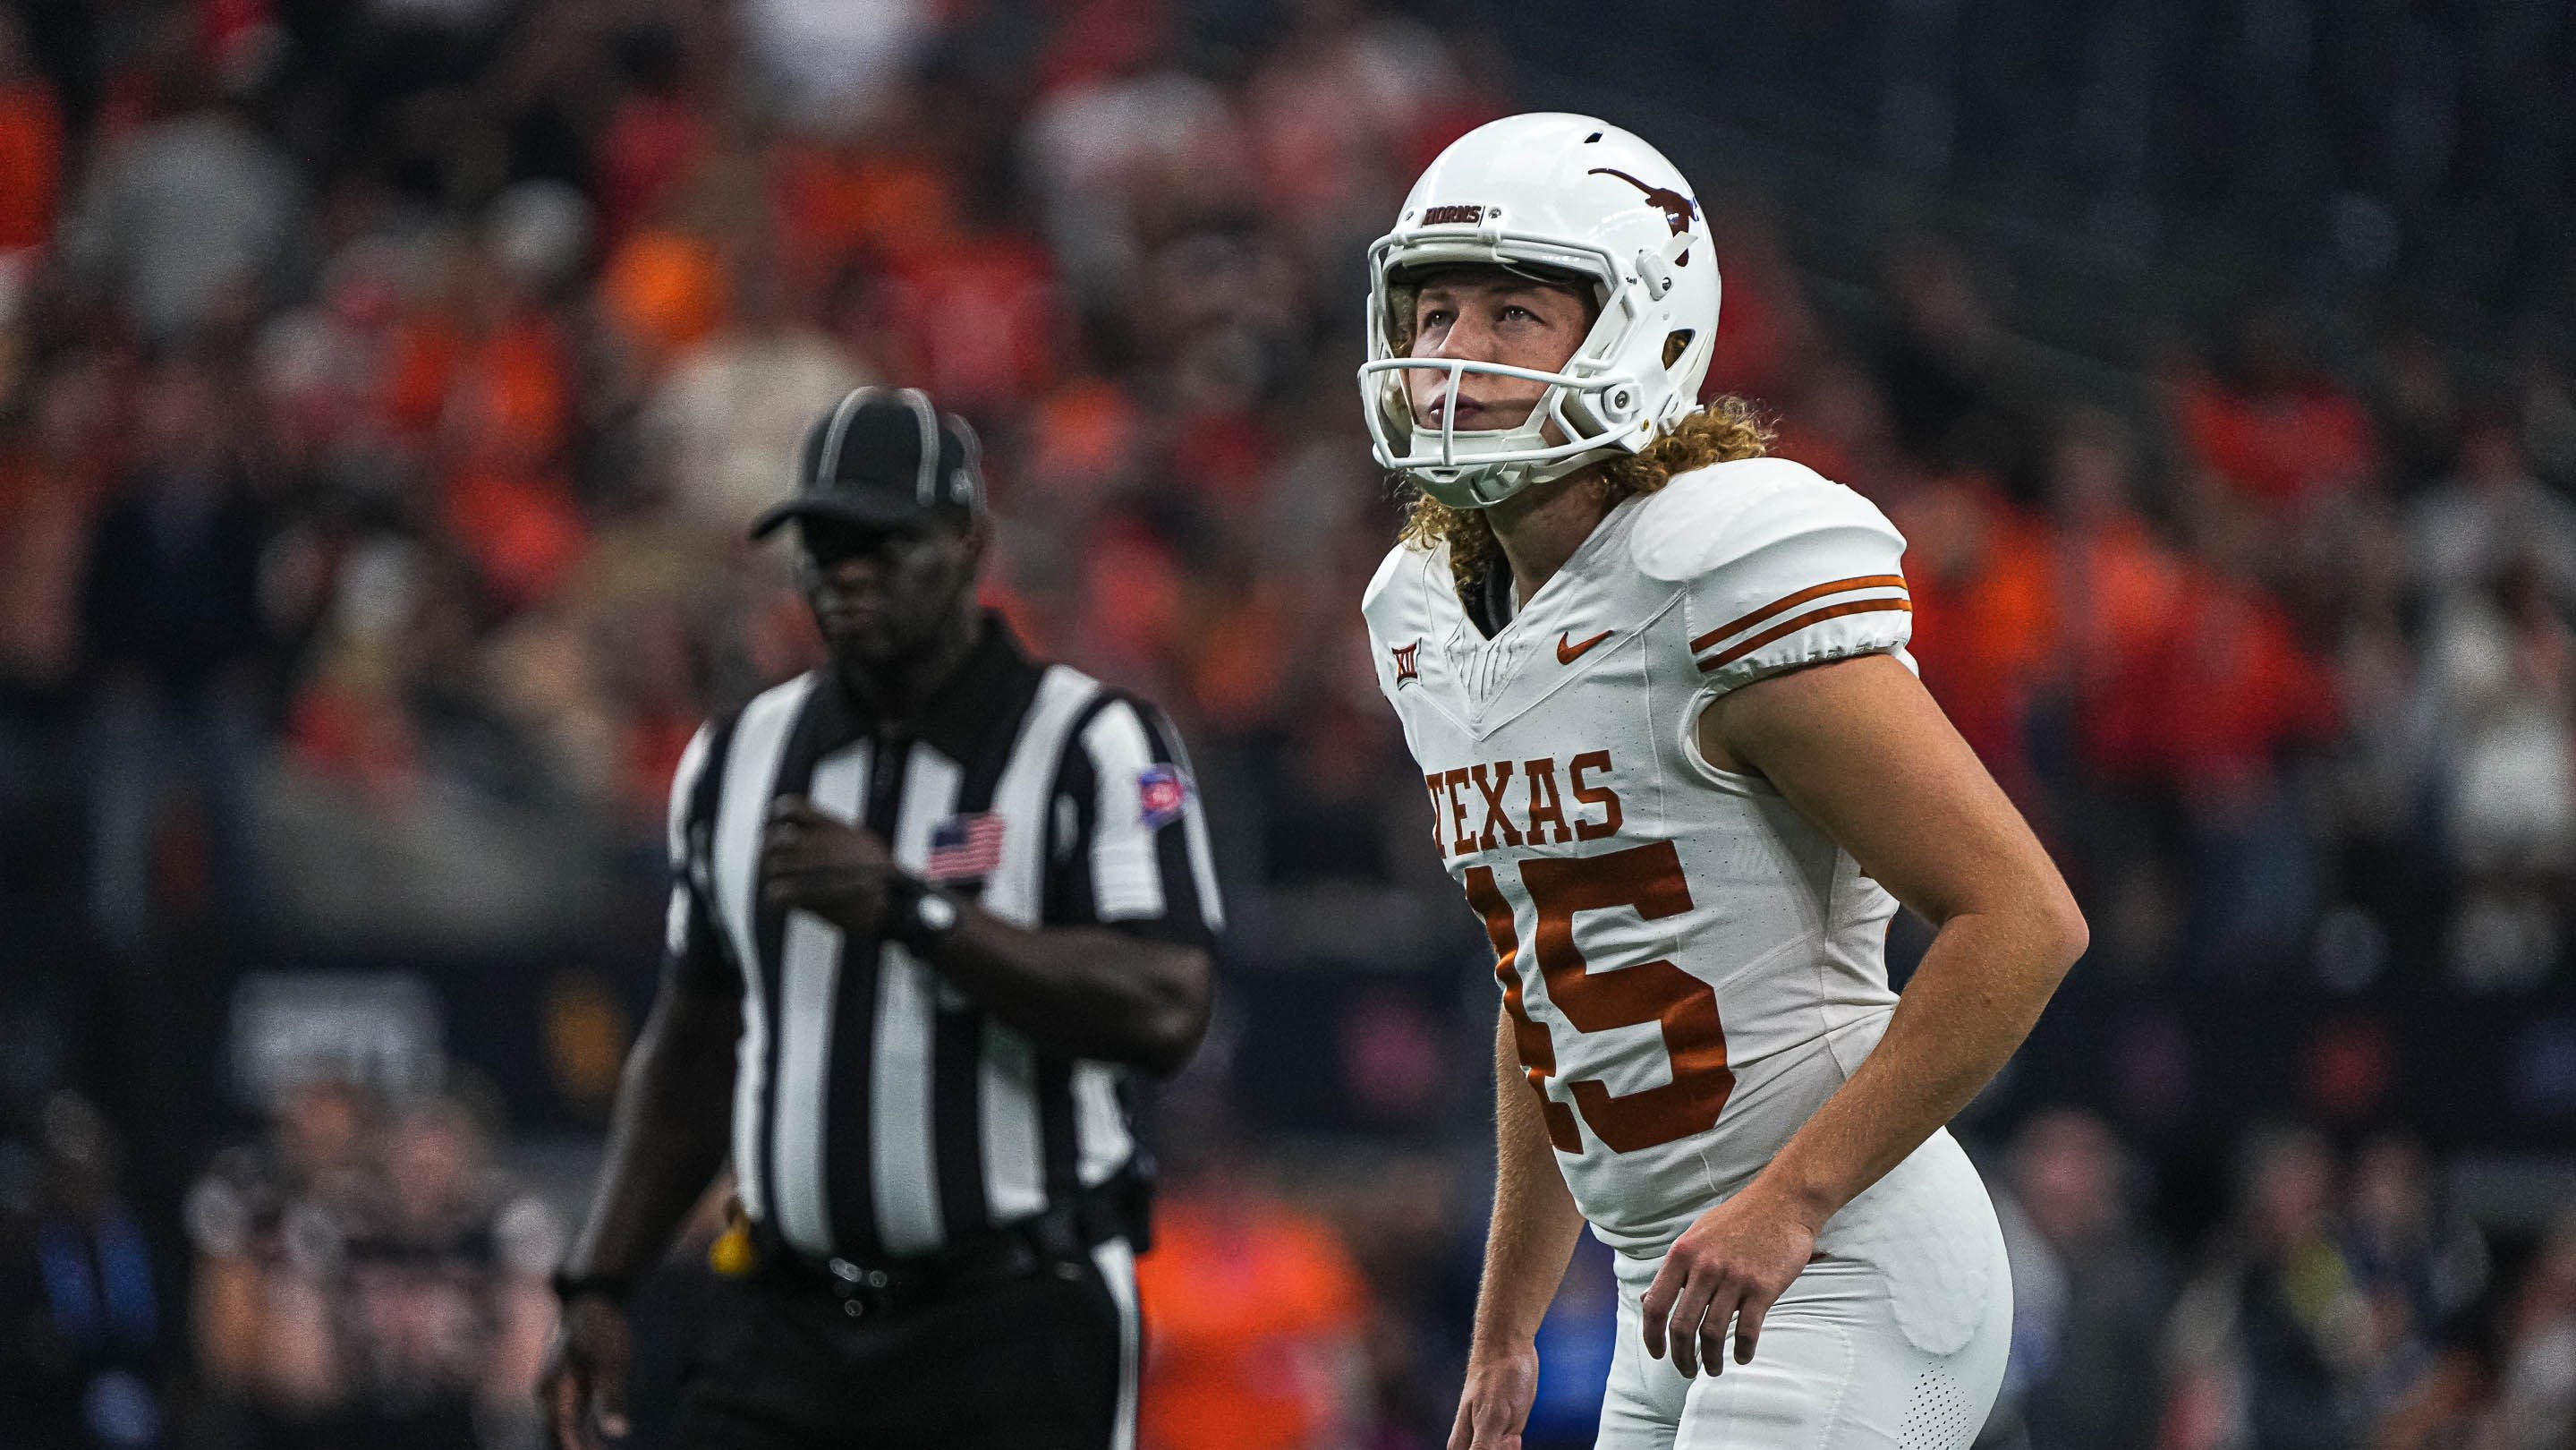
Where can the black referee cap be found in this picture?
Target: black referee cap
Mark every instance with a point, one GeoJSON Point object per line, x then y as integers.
{"type": "Point", "coordinates": [885, 458]}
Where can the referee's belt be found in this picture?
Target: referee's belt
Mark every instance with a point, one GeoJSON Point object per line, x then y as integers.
{"type": "Point", "coordinates": [1058, 1241]}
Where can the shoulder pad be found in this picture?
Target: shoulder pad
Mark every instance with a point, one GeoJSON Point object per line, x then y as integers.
{"type": "Point", "coordinates": [1387, 603]}
{"type": "Point", "coordinates": [1778, 568]}
{"type": "Point", "coordinates": [1710, 517]}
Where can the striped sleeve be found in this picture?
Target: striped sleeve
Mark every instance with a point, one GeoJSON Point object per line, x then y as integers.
{"type": "Point", "coordinates": [693, 952]}
{"type": "Point", "coordinates": [1803, 575]}
{"type": "Point", "coordinates": [1131, 837]}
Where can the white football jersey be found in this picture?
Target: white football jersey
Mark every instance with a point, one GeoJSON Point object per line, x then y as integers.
{"type": "Point", "coordinates": [1690, 965]}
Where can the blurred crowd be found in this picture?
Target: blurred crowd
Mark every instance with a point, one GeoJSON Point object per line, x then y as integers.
{"type": "Point", "coordinates": [384, 387]}
{"type": "Point", "coordinates": [363, 1275]}
{"type": "Point", "coordinates": [388, 384]}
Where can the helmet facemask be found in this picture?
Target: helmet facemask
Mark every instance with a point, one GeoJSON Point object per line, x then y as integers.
{"type": "Point", "coordinates": [1594, 408]}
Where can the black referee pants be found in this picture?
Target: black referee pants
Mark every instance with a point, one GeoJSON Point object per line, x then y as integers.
{"type": "Point", "coordinates": [1042, 1363]}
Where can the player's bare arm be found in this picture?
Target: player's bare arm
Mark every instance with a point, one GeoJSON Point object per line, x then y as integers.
{"type": "Point", "coordinates": [1528, 1243]}
{"type": "Point", "coordinates": [666, 1139]}
{"type": "Point", "coordinates": [1860, 748]}
{"type": "Point", "coordinates": [1084, 992]}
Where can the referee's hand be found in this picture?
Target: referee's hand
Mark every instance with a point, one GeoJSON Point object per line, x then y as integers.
{"type": "Point", "coordinates": [825, 865]}
{"type": "Point", "coordinates": [583, 1390]}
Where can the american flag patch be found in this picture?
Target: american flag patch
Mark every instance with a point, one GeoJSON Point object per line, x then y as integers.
{"type": "Point", "coordinates": [964, 848]}
{"type": "Point", "coordinates": [1161, 793]}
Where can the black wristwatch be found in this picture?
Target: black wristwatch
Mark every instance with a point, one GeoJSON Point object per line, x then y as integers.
{"type": "Point", "coordinates": [612, 1287]}
{"type": "Point", "coordinates": [918, 915]}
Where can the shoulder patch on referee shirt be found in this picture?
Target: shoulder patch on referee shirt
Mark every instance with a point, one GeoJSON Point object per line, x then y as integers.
{"type": "Point", "coordinates": [1161, 793]}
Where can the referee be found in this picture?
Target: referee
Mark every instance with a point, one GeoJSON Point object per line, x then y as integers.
{"type": "Point", "coordinates": [933, 906]}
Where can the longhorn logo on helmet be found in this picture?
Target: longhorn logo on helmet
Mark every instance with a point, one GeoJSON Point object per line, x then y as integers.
{"type": "Point", "coordinates": [1677, 208]}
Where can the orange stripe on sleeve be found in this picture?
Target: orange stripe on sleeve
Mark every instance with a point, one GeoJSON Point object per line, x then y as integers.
{"type": "Point", "coordinates": [1869, 581]}
{"type": "Point", "coordinates": [1730, 655]}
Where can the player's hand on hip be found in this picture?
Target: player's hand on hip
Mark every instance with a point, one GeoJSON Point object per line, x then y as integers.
{"type": "Point", "coordinates": [1494, 1407]}
{"type": "Point", "coordinates": [824, 864]}
{"type": "Point", "coordinates": [582, 1393]}
{"type": "Point", "coordinates": [1733, 1262]}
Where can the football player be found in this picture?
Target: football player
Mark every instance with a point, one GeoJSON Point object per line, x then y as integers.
{"type": "Point", "coordinates": [1679, 762]}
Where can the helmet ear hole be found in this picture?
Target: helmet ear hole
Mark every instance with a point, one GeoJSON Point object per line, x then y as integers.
{"type": "Point", "coordinates": [1676, 343]}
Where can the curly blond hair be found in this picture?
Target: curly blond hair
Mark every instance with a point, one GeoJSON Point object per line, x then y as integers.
{"type": "Point", "coordinates": [1726, 429]}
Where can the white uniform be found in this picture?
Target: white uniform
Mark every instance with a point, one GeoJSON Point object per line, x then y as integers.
{"type": "Point", "coordinates": [1690, 965]}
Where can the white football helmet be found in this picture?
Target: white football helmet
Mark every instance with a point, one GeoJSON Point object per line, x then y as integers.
{"type": "Point", "coordinates": [1562, 195]}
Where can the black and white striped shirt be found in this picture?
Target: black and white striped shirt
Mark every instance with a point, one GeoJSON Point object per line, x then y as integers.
{"type": "Point", "coordinates": [878, 1114]}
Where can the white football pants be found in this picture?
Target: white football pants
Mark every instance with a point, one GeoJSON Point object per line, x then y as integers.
{"type": "Point", "coordinates": [1893, 1339]}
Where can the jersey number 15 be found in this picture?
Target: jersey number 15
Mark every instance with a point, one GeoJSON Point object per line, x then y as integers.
{"type": "Point", "coordinates": [1649, 878]}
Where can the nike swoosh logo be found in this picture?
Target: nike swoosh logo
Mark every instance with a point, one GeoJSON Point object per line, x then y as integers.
{"type": "Point", "coordinates": [1568, 652]}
